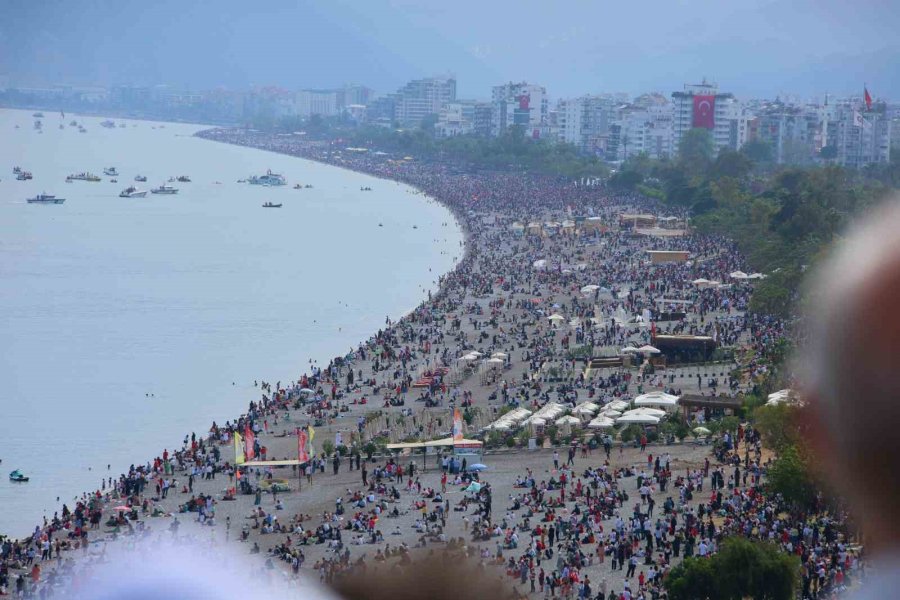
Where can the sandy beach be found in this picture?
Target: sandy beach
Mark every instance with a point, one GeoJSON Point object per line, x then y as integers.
{"type": "Point", "coordinates": [523, 264]}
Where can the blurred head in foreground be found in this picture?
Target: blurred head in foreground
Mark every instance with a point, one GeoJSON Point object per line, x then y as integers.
{"type": "Point", "coordinates": [852, 372]}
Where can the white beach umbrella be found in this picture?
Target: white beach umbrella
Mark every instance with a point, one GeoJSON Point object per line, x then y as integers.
{"type": "Point", "coordinates": [590, 289]}
{"type": "Point", "coordinates": [629, 350]}
{"type": "Point", "coordinates": [616, 405]}
{"type": "Point", "coordinates": [738, 275]}
{"type": "Point", "coordinates": [601, 422]}
{"type": "Point", "coordinates": [646, 410]}
{"type": "Point", "coordinates": [648, 349]}
{"type": "Point", "coordinates": [612, 414]}
{"type": "Point", "coordinates": [499, 355]}
{"type": "Point", "coordinates": [568, 420]}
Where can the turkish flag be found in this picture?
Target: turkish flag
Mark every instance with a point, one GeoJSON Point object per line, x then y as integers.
{"type": "Point", "coordinates": [524, 101]}
{"type": "Point", "coordinates": [867, 98]}
{"type": "Point", "coordinates": [705, 111]}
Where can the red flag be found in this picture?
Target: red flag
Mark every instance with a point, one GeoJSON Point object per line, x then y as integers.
{"type": "Point", "coordinates": [867, 98]}
{"type": "Point", "coordinates": [302, 453]}
{"type": "Point", "coordinates": [704, 111]}
{"type": "Point", "coordinates": [249, 438]}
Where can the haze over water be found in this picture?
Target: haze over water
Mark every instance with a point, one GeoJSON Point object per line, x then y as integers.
{"type": "Point", "coordinates": [104, 300]}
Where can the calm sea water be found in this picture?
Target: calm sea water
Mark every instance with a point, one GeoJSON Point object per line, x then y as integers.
{"type": "Point", "coordinates": [105, 301]}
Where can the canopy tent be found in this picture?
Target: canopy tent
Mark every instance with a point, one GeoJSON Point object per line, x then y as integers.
{"type": "Point", "coordinates": [660, 399]}
{"type": "Point", "coordinates": [601, 422]}
{"type": "Point", "coordinates": [640, 419]}
{"type": "Point", "coordinates": [568, 420]}
{"type": "Point", "coordinates": [612, 414]}
{"type": "Point", "coordinates": [586, 407]}
{"type": "Point", "coordinates": [616, 405]}
{"type": "Point", "coordinates": [646, 410]}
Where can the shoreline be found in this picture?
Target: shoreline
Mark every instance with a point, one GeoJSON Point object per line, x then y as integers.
{"type": "Point", "coordinates": [404, 313]}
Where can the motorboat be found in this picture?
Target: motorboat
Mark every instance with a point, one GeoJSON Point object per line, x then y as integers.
{"type": "Point", "coordinates": [140, 178]}
{"type": "Point", "coordinates": [271, 205]}
{"type": "Point", "coordinates": [110, 171]}
{"type": "Point", "coordinates": [132, 192]}
{"type": "Point", "coordinates": [45, 199]}
{"type": "Point", "coordinates": [164, 189]}
{"type": "Point", "coordinates": [270, 178]}
{"type": "Point", "coordinates": [18, 476]}
{"type": "Point", "coordinates": [24, 175]}
{"type": "Point", "coordinates": [83, 177]}
{"type": "Point", "coordinates": [183, 179]}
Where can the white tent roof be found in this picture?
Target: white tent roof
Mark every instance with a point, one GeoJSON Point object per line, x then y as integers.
{"type": "Point", "coordinates": [738, 275]}
{"type": "Point", "coordinates": [656, 399]}
{"type": "Point", "coordinates": [587, 407]}
{"type": "Point", "coordinates": [556, 317]}
{"type": "Point", "coordinates": [499, 355]}
{"type": "Point", "coordinates": [629, 350]}
{"type": "Point", "coordinates": [601, 422]}
{"type": "Point", "coordinates": [568, 420]}
{"type": "Point", "coordinates": [617, 405]}
{"type": "Point", "coordinates": [645, 410]}
{"type": "Point", "coordinates": [648, 349]}
{"type": "Point", "coordinates": [611, 413]}
{"type": "Point", "coordinates": [638, 418]}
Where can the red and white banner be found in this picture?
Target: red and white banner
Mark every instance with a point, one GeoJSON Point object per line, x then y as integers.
{"type": "Point", "coordinates": [302, 453]}
{"type": "Point", "coordinates": [705, 111]}
{"type": "Point", "coordinates": [249, 439]}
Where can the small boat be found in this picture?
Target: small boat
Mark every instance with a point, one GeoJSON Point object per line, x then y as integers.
{"type": "Point", "coordinates": [24, 175]}
{"type": "Point", "coordinates": [83, 177]}
{"type": "Point", "coordinates": [270, 178]}
{"type": "Point", "coordinates": [365, 189]}
{"type": "Point", "coordinates": [38, 115]}
{"type": "Point", "coordinates": [73, 123]}
{"type": "Point", "coordinates": [114, 181]}
{"type": "Point", "coordinates": [17, 170]}
{"type": "Point", "coordinates": [110, 171]}
{"type": "Point", "coordinates": [132, 192]}
{"type": "Point", "coordinates": [18, 476]}
{"type": "Point", "coordinates": [296, 186]}
{"type": "Point", "coordinates": [270, 205]}
{"type": "Point", "coordinates": [140, 178]}
{"type": "Point", "coordinates": [183, 179]}
{"type": "Point", "coordinates": [108, 124]}
{"type": "Point", "coordinates": [45, 199]}
{"type": "Point", "coordinates": [38, 125]}
{"type": "Point", "coordinates": [164, 189]}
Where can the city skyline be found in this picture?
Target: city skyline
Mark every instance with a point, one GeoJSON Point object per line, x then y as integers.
{"type": "Point", "coordinates": [756, 49]}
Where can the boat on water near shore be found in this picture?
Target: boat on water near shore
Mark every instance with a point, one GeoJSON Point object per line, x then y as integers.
{"type": "Point", "coordinates": [164, 189]}
{"type": "Point", "coordinates": [271, 205]}
{"type": "Point", "coordinates": [38, 115]}
{"type": "Point", "coordinates": [111, 171]}
{"type": "Point", "coordinates": [181, 178]}
{"type": "Point", "coordinates": [18, 476]}
{"type": "Point", "coordinates": [270, 178]}
{"type": "Point", "coordinates": [108, 124]}
{"type": "Point", "coordinates": [83, 177]}
{"type": "Point", "coordinates": [132, 192]}
{"type": "Point", "coordinates": [24, 175]}
{"type": "Point", "coordinates": [140, 178]}
{"type": "Point", "coordinates": [45, 199]}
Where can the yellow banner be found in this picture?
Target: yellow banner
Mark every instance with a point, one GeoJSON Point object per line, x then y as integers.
{"type": "Point", "coordinates": [239, 458]}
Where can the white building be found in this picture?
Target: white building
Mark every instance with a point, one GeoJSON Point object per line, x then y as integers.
{"type": "Point", "coordinates": [316, 102]}
{"type": "Point", "coordinates": [584, 121]}
{"type": "Point", "coordinates": [702, 106]}
{"type": "Point", "coordinates": [422, 97]}
{"type": "Point", "coordinates": [861, 137]}
{"type": "Point", "coordinates": [521, 104]}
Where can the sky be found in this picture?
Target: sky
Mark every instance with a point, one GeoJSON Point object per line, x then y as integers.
{"type": "Point", "coordinates": [802, 48]}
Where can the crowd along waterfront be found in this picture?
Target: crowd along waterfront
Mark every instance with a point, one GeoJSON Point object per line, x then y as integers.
{"type": "Point", "coordinates": [128, 322]}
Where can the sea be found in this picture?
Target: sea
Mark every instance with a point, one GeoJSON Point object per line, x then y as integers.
{"type": "Point", "coordinates": [127, 323]}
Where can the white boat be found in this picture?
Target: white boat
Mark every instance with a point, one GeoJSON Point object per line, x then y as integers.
{"type": "Point", "coordinates": [132, 192]}
{"type": "Point", "coordinates": [140, 178]}
{"type": "Point", "coordinates": [45, 199]}
{"type": "Point", "coordinates": [110, 171]}
{"type": "Point", "coordinates": [269, 178]}
{"type": "Point", "coordinates": [164, 189]}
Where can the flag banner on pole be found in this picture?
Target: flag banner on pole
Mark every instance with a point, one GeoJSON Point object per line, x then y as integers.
{"type": "Point", "coordinates": [457, 424]}
{"type": "Point", "coordinates": [249, 439]}
{"type": "Point", "coordinates": [302, 454]}
{"type": "Point", "coordinates": [239, 457]}
{"type": "Point", "coordinates": [867, 98]}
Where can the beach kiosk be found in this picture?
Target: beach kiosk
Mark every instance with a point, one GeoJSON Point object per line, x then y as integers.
{"type": "Point", "coordinates": [469, 451]}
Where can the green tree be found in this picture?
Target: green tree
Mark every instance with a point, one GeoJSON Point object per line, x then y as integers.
{"type": "Point", "coordinates": [790, 476]}
{"type": "Point", "coordinates": [696, 150]}
{"type": "Point", "coordinates": [777, 424]}
{"type": "Point", "coordinates": [741, 569]}
{"type": "Point", "coordinates": [757, 151]}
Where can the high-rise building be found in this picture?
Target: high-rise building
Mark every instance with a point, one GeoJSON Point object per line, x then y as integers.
{"type": "Point", "coordinates": [584, 121]}
{"type": "Point", "coordinates": [422, 97]}
{"type": "Point", "coordinates": [860, 136]}
{"type": "Point", "coordinates": [316, 102]}
{"type": "Point", "coordinates": [702, 106]}
{"type": "Point", "coordinates": [463, 117]}
{"type": "Point", "coordinates": [521, 104]}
